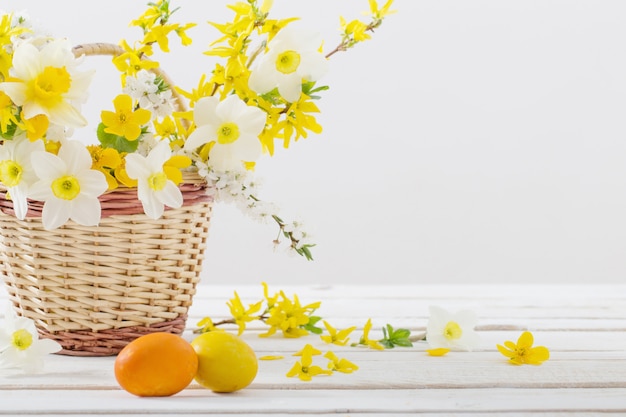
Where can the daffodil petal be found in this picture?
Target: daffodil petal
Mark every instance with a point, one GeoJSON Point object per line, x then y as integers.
{"type": "Point", "coordinates": [152, 206]}
{"type": "Point", "coordinates": [261, 80]}
{"type": "Point", "coordinates": [136, 166]}
{"type": "Point", "coordinates": [54, 214]}
{"type": "Point", "coordinates": [20, 203]}
{"type": "Point", "coordinates": [16, 91]}
{"type": "Point", "coordinates": [92, 183]}
{"type": "Point", "coordinates": [290, 87]}
{"type": "Point", "coordinates": [202, 135]}
{"type": "Point", "coordinates": [75, 156]}
{"type": "Point", "coordinates": [204, 112]}
{"type": "Point", "coordinates": [315, 66]}
{"type": "Point", "coordinates": [47, 165]}
{"type": "Point", "coordinates": [170, 195]}
{"type": "Point", "coordinates": [86, 210]}
{"type": "Point", "coordinates": [64, 114]}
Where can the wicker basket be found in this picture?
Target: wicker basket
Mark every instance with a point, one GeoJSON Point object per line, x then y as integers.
{"type": "Point", "coordinates": [95, 289]}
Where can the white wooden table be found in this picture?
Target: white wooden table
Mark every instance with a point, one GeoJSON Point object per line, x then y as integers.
{"type": "Point", "coordinates": [583, 326]}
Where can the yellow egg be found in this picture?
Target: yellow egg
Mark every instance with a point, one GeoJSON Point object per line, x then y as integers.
{"type": "Point", "coordinates": [225, 362]}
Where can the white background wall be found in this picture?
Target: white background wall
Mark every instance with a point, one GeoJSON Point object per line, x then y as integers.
{"type": "Point", "coordinates": [468, 141]}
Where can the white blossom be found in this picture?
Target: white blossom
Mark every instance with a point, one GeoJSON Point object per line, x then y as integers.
{"type": "Point", "coordinates": [234, 128]}
{"type": "Point", "coordinates": [293, 55]}
{"type": "Point", "coordinates": [451, 330]}
{"type": "Point", "coordinates": [68, 186]}
{"type": "Point", "coordinates": [154, 189]}
{"type": "Point", "coordinates": [20, 345]}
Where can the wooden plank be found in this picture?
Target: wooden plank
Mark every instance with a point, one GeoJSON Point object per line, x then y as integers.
{"type": "Point", "coordinates": [538, 292]}
{"type": "Point", "coordinates": [368, 414]}
{"type": "Point", "coordinates": [485, 324]}
{"type": "Point", "coordinates": [276, 402]}
{"type": "Point", "coordinates": [359, 308]}
{"type": "Point", "coordinates": [397, 369]}
{"type": "Point", "coordinates": [535, 294]}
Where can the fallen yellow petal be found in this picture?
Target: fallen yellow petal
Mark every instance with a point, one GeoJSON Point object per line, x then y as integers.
{"type": "Point", "coordinates": [437, 352]}
{"type": "Point", "coordinates": [270, 358]}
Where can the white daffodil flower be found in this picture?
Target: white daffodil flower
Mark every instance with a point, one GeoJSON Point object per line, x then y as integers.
{"type": "Point", "coordinates": [68, 186]}
{"type": "Point", "coordinates": [293, 56]}
{"type": "Point", "coordinates": [16, 171]}
{"type": "Point", "coordinates": [233, 126]}
{"type": "Point", "coordinates": [154, 189]}
{"type": "Point", "coordinates": [47, 82]}
{"type": "Point", "coordinates": [20, 345]}
{"type": "Point", "coordinates": [451, 330]}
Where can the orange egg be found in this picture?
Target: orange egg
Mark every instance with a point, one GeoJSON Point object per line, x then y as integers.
{"type": "Point", "coordinates": [156, 365]}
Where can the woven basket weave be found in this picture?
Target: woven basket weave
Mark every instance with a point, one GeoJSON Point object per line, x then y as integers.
{"type": "Point", "coordinates": [95, 289]}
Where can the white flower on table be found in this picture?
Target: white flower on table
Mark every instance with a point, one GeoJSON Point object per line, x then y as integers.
{"type": "Point", "coordinates": [45, 81]}
{"type": "Point", "coordinates": [20, 345]}
{"type": "Point", "coordinates": [154, 189]}
{"type": "Point", "coordinates": [452, 330]}
{"type": "Point", "coordinates": [234, 128]}
{"type": "Point", "coordinates": [16, 171]}
{"type": "Point", "coordinates": [68, 186]}
{"type": "Point", "coordinates": [293, 56]}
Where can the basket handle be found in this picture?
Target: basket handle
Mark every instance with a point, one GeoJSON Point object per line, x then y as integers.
{"type": "Point", "coordinates": [91, 49]}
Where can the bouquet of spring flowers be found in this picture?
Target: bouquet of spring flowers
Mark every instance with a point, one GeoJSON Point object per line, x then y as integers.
{"type": "Point", "coordinates": [155, 133]}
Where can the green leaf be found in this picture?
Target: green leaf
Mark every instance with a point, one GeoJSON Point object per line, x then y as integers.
{"type": "Point", "coordinates": [398, 337]}
{"type": "Point", "coordinates": [403, 342]}
{"type": "Point", "coordinates": [386, 343]}
{"type": "Point", "coordinates": [311, 325]}
{"type": "Point", "coordinates": [10, 131]}
{"type": "Point", "coordinates": [304, 251]}
{"type": "Point", "coordinates": [401, 334]}
{"type": "Point", "coordinates": [120, 143]}
{"type": "Point", "coordinates": [309, 89]}
{"type": "Point", "coordinates": [273, 97]}
{"type": "Point", "coordinates": [314, 319]}
{"type": "Point", "coordinates": [313, 329]}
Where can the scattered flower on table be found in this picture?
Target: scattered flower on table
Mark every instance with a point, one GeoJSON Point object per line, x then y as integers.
{"type": "Point", "coordinates": [365, 339]}
{"type": "Point", "coordinates": [523, 352]}
{"type": "Point", "coordinates": [291, 317]}
{"type": "Point", "coordinates": [340, 364]}
{"type": "Point", "coordinates": [304, 368]}
{"type": "Point", "coordinates": [20, 345]}
{"type": "Point", "coordinates": [308, 350]}
{"type": "Point", "coordinates": [241, 314]}
{"type": "Point", "coordinates": [454, 331]}
{"type": "Point", "coordinates": [279, 312]}
{"type": "Point", "coordinates": [337, 337]}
